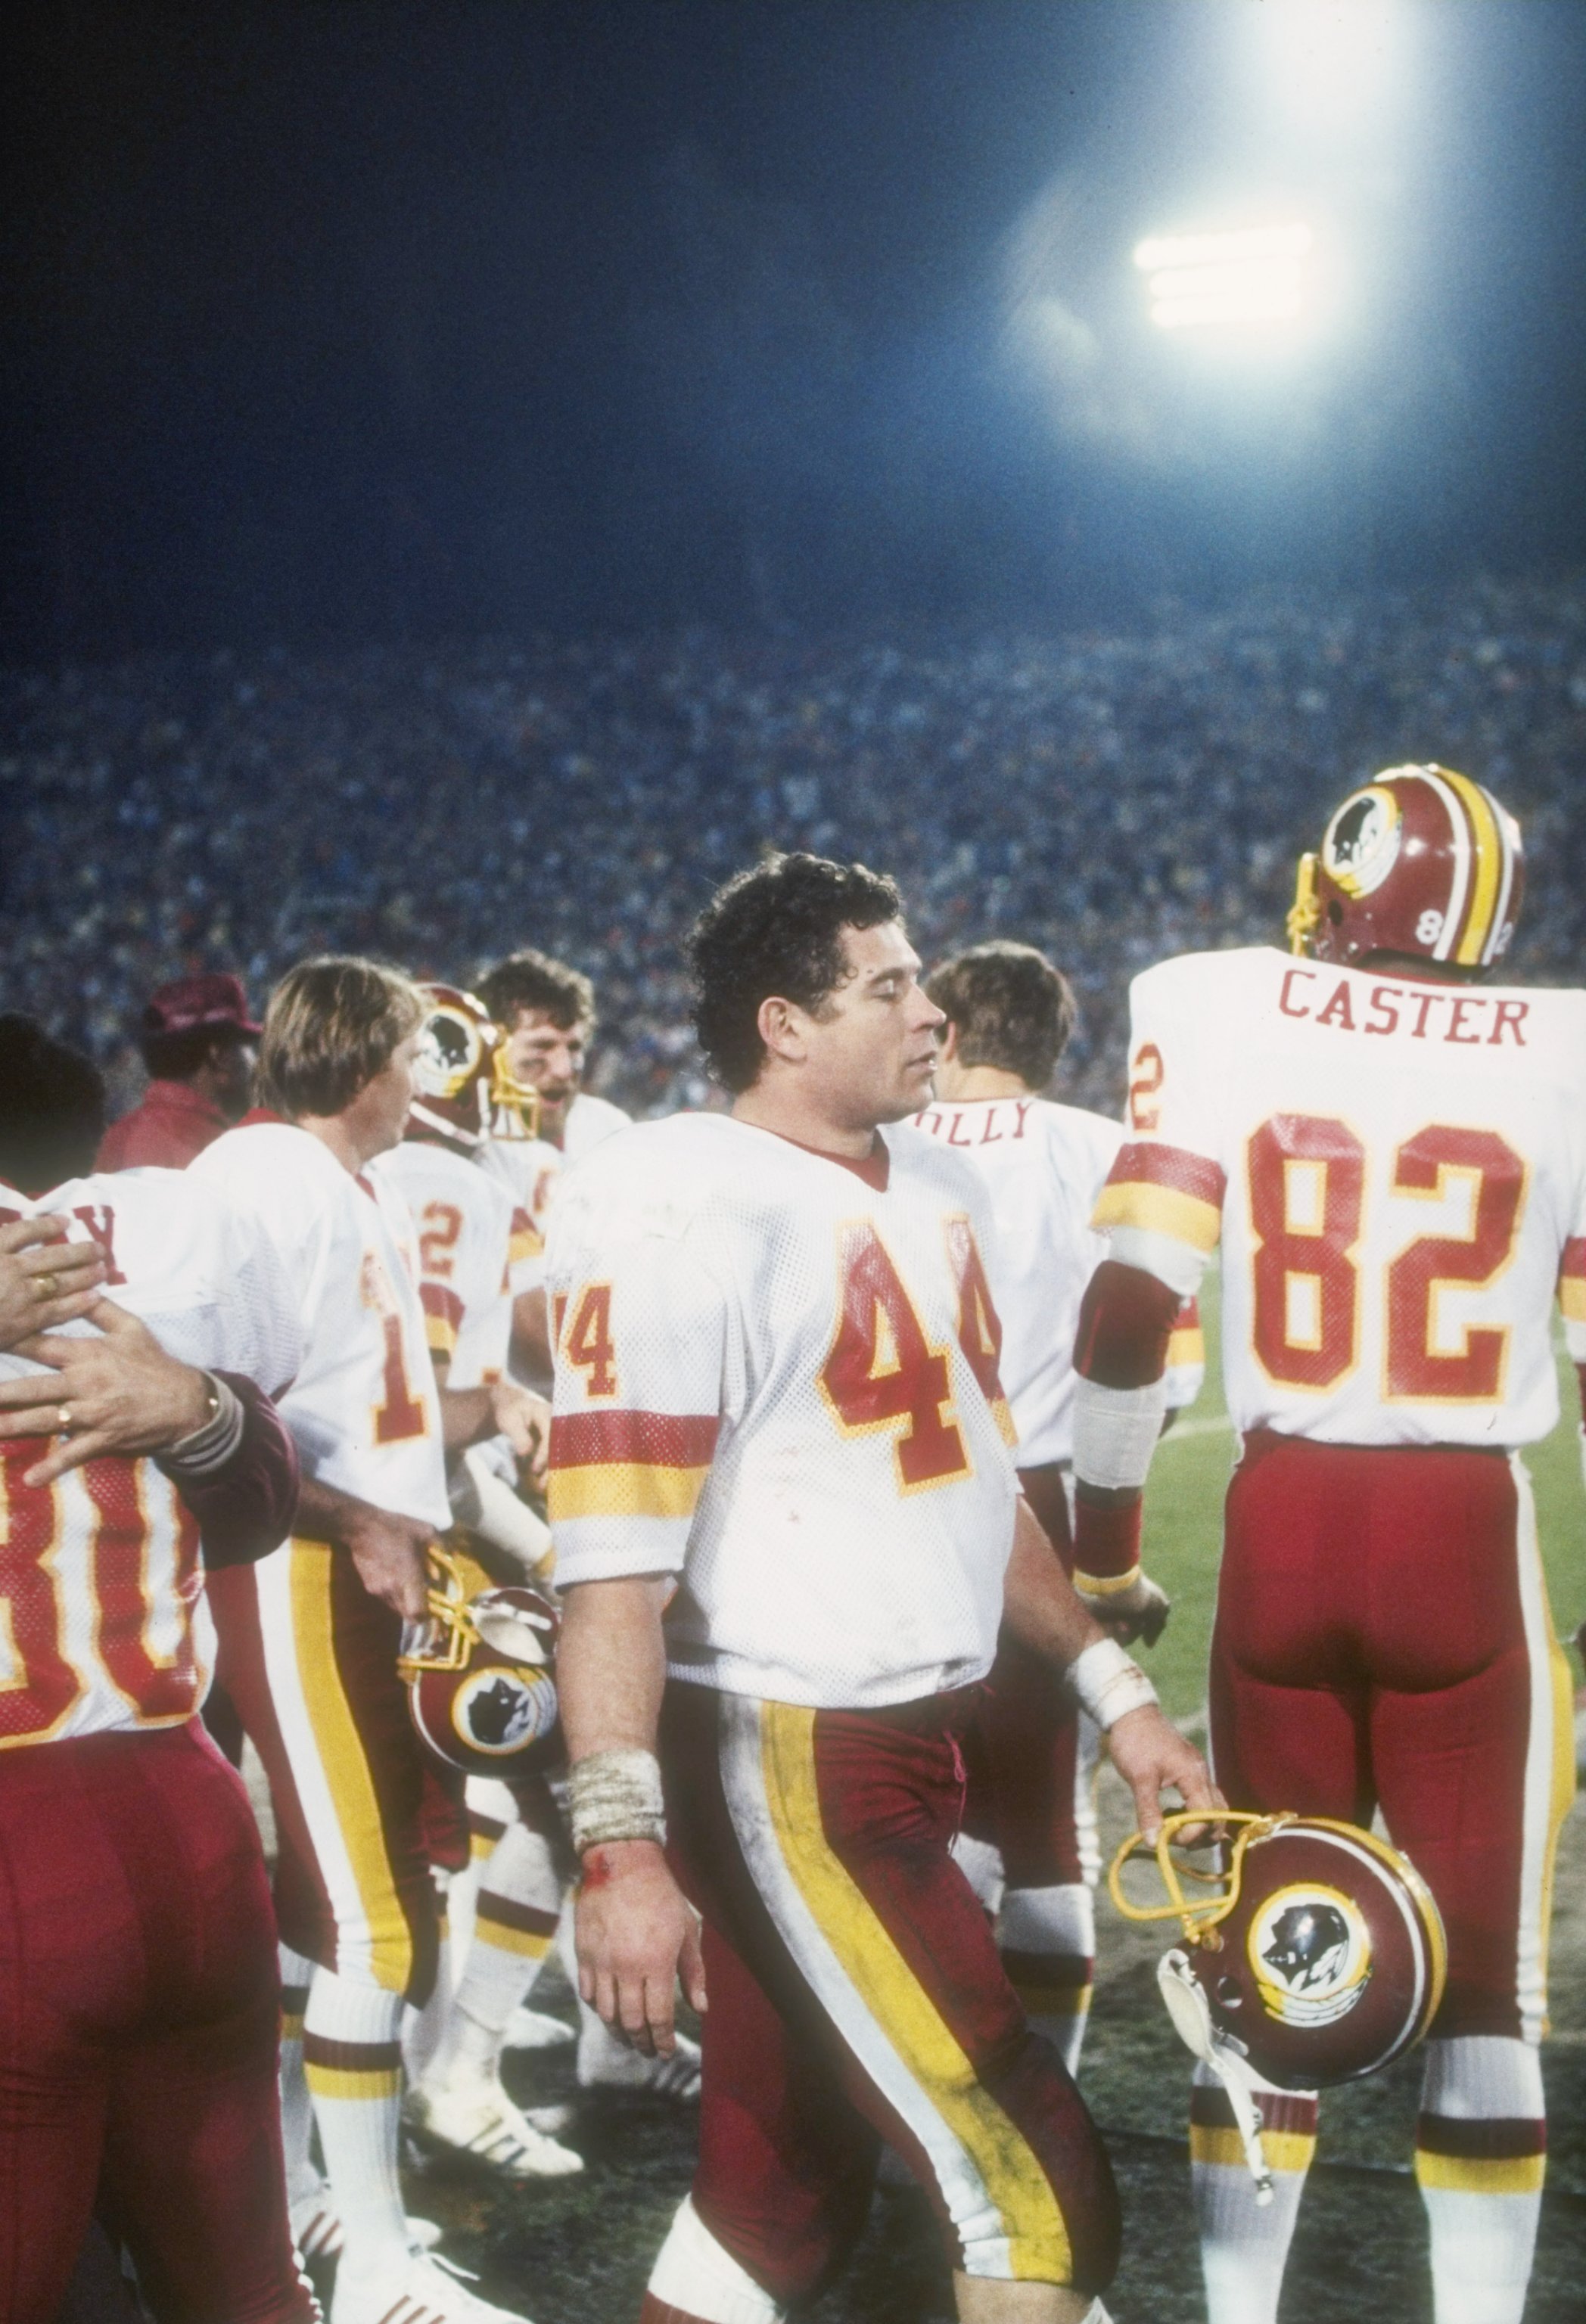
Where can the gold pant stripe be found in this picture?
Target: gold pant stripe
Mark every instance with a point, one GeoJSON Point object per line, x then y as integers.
{"type": "Point", "coordinates": [346, 1766]}
{"type": "Point", "coordinates": [1036, 2234]}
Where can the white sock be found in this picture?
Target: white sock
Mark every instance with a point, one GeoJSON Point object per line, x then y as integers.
{"type": "Point", "coordinates": [515, 1920]}
{"type": "Point", "coordinates": [422, 2028]}
{"type": "Point", "coordinates": [1048, 1943]}
{"type": "Point", "coordinates": [980, 1863]}
{"type": "Point", "coordinates": [297, 2107]}
{"type": "Point", "coordinates": [353, 2059]}
{"type": "Point", "coordinates": [1244, 2244]}
{"type": "Point", "coordinates": [695, 2277]}
{"type": "Point", "coordinates": [1480, 2159]}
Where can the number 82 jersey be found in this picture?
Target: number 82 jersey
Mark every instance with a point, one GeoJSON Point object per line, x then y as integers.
{"type": "Point", "coordinates": [776, 1378]}
{"type": "Point", "coordinates": [1396, 1173]}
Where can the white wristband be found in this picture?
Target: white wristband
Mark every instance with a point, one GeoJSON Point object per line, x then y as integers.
{"type": "Point", "coordinates": [615, 1795]}
{"type": "Point", "coordinates": [1107, 1683]}
{"type": "Point", "coordinates": [1115, 1432]}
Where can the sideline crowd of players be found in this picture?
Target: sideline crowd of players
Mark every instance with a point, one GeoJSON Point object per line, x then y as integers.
{"type": "Point", "coordinates": [771, 1477]}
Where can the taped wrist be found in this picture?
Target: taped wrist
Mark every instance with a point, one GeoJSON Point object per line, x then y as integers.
{"type": "Point", "coordinates": [615, 1795]}
{"type": "Point", "coordinates": [1106, 1683]}
{"type": "Point", "coordinates": [1115, 1432]}
{"type": "Point", "coordinates": [210, 1445]}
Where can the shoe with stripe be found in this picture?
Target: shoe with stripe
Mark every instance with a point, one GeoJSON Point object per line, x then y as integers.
{"type": "Point", "coordinates": [315, 2225]}
{"type": "Point", "coordinates": [418, 2290]}
{"type": "Point", "coordinates": [477, 2118]}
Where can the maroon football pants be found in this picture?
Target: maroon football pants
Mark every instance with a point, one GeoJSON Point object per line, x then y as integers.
{"type": "Point", "coordinates": [1382, 1640]}
{"type": "Point", "coordinates": [856, 1994]}
{"type": "Point", "coordinates": [139, 2015]}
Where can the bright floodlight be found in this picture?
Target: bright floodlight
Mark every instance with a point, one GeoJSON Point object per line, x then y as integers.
{"type": "Point", "coordinates": [1254, 275]}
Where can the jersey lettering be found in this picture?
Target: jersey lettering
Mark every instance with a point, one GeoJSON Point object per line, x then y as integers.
{"type": "Point", "coordinates": [440, 1231]}
{"type": "Point", "coordinates": [1424, 1167]}
{"type": "Point", "coordinates": [400, 1416]}
{"type": "Point", "coordinates": [589, 1343]}
{"type": "Point", "coordinates": [1148, 1080]}
{"type": "Point", "coordinates": [39, 1686]}
{"type": "Point", "coordinates": [1308, 1178]}
{"type": "Point", "coordinates": [882, 1371]}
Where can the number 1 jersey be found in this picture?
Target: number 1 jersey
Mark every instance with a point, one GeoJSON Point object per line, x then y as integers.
{"type": "Point", "coordinates": [776, 1378]}
{"type": "Point", "coordinates": [1396, 1173]}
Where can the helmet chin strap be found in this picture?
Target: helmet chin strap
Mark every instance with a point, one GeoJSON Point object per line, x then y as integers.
{"type": "Point", "coordinates": [1305, 910]}
{"type": "Point", "coordinates": [1191, 2019]}
{"type": "Point", "coordinates": [451, 1131]}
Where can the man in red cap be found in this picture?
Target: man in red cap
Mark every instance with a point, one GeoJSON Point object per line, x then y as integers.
{"type": "Point", "coordinates": [199, 1045]}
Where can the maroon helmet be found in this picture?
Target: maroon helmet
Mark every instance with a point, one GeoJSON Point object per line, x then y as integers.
{"type": "Point", "coordinates": [1318, 1952]}
{"type": "Point", "coordinates": [481, 1689]}
{"type": "Point", "coordinates": [1419, 861]}
{"type": "Point", "coordinates": [461, 1070]}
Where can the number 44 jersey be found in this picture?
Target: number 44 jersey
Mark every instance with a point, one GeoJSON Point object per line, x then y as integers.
{"type": "Point", "coordinates": [776, 1378]}
{"type": "Point", "coordinates": [1396, 1172]}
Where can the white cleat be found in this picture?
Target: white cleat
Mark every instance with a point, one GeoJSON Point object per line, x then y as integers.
{"type": "Point", "coordinates": [534, 2029]}
{"type": "Point", "coordinates": [316, 2225]}
{"type": "Point", "coordinates": [606, 2064]}
{"type": "Point", "coordinates": [478, 2118]}
{"type": "Point", "coordinates": [415, 2289]}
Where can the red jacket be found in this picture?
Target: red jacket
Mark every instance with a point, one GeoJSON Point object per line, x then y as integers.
{"type": "Point", "coordinates": [174, 1122]}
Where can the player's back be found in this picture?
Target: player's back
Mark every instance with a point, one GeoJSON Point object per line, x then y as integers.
{"type": "Point", "coordinates": [1044, 1165]}
{"type": "Point", "coordinates": [99, 1572]}
{"type": "Point", "coordinates": [1397, 1172]}
{"type": "Point", "coordinates": [463, 1230]}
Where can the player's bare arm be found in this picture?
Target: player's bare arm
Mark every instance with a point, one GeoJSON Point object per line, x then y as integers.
{"type": "Point", "coordinates": [45, 1281]}
{"type": "Point", "coordinates": [469, 1415]}
{"type": "Point", "coordinates": [636, 1933]}
{"type": "Point", "coordinates": [117, 1392]}
{"type": "Point", "coordinates": [1045, 1611]}
{"type": "Point", "coordinates": [387, 1549]}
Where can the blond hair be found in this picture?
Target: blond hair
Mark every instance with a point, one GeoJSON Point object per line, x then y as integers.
{"type": "Point", "coordinates": [331, 1025]}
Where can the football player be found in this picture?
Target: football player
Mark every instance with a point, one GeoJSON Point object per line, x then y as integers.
{"type": "Point", "coordinates": [1029, 1819]}
{"type": "Point", "coordinates": [779, 1423]}
{"type": "Point", "coordinates": [138, 1981]}
{"type": "Point", "coordinates": [1391, 1150]}
{"type": "Point", "coordinates": [310, 1636]}
{"type": "Point", "coordinates": [477, 1251]}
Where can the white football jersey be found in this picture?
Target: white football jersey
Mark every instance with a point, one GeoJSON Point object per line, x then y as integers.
{"type": "Point", "coordinates": [363, 1410]}
{"type": "Point", "coordinates": [529, 1169]}
{"type": "Point", "coordinates": [778, 1380]}
{"type": "Point", "coordinates": [104, 1626]}
{"type": "Point", "coordinates": [591, 1121]}
{"type": "Point", "coordinates": [464, 1228]}
{"type": "Point", "coordinates": [1397, 1171]}
{"type": "Point", "coordinates": [1044, 1165]}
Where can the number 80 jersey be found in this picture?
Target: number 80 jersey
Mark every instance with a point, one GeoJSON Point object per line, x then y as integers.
{"type": "Point", "coordinates": [1396, 1173]}
{"type": "Point", "coordinates": [776, 1378]}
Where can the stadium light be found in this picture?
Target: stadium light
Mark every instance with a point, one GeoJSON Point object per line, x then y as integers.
{"type": "Point", "coordinates": [1255, 275]}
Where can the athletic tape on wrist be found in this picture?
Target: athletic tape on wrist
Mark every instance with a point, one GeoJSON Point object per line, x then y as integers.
{"type": "Point", "coordinates": [1107, 1683]}
{"type": "Point", "coordinates": [615, 1795]}
{"type": "Point", "coordinates": [1115, 1432]}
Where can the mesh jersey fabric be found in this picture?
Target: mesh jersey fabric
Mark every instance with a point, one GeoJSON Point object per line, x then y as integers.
{"type": "Point", "coordinates": [1396, 1173]}
{"type": "Point", "coordinates": [363, 1409]}
{"type": "Point", "coordinates": [779, 1383]}
{"type": "Point", "coordinates": [463, 1228]}
{"type": "Point", "coordinates": [105, 1628]}
{"type": "Point", "coordinates": [1044, 1165]}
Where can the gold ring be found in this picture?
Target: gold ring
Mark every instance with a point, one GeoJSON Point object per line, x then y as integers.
{"type": "Point", "coordinates": [46, 1286]}
{"type": "Point", "coordinates": [63, 1419]}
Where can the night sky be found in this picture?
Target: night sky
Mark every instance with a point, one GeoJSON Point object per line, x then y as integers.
{"type": "Point", "coordinates": [343, 322]}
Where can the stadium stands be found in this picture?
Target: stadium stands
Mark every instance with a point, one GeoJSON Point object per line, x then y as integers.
{"type": "Point", "coordinates": [1111, 797]}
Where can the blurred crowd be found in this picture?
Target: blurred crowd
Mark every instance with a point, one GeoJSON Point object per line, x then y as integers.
{"type": "Point", "coordinates": [1111, 797]}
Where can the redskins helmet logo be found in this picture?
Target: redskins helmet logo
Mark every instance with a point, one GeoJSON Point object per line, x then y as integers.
{"type": "Point", "coordinates": [1311, 1952]}
{"type": "Point", "coordinates": [450, 1048]}
{"type": "Point", "coordinates": [1362, 841]}
{"type": "Point", "coordinates": [502, 1712]}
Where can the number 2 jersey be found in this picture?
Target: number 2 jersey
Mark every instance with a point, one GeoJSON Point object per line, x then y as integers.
{"type": "Point", "coordinates": [776, 1378]}
{"type": "Point", "coordinates": [1396, 1173]}
{"type": "Point", "coordinates": [1044, 1165]}
{"type": "Point", "coordinates": [103, 1623]}
{"type": "Point", "coordinates": [477, 1251]}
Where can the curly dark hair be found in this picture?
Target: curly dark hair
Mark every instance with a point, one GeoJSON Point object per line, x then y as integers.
{"type": "Point", "coordinates": [777, 929]}
{"type": "Point", "coordinates": [533, 981]}
{"type": "Point", "coordinates": [52, 1108]}
{"type": "Point", "coordinates": [1012, 1008]}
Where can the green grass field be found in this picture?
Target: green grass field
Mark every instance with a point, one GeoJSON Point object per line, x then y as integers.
{"type": "Point", "coordinates": [578, 2252]}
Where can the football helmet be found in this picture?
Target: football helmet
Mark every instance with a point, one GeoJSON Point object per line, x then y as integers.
{"type": "Point", "coordinates": [461, 1069]}
{"type": "Point", "coordinates": [1419, 860]}
{"type": "Point", "coordinates": [1313, 1953]}
{"type": "Point", "coordinates": [478, 1671]}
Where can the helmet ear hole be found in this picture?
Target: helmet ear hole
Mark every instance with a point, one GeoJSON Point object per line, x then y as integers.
{"type": "Point", "coordinates": [1334, 911]}
{"type": "Point", "coordinates": [1228, 1992]}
